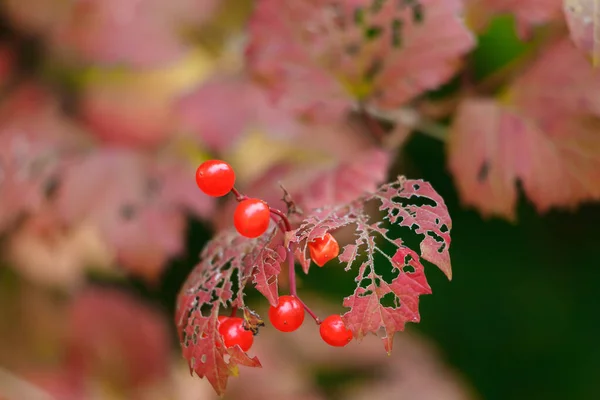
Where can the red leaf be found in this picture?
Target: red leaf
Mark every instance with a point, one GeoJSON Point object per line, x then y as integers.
{"type": "Point", "coordinates": [229, 260]}
{"type": "Point", "coordinates": [544, 138]}
{"type": "Point", "coordinates": [402, 201]}
{"type": "Point", "coordinates": [583, 17]}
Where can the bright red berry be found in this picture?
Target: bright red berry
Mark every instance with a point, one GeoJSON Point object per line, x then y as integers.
{"type": "Point", "coordinates": [323, 249]}
{"type": "Point", "coordinates": [215, 178]}
{"type": "Point", "coordinates": [288, 315]}
{"type": "Point", "coordinates": [233, 332]}
{"type": "Point", "coordinates": [251, 218]}
{"type": "Point", "coordinates": [334, 332]}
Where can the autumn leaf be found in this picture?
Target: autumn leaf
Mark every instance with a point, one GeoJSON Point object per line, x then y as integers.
{"type": "Point", "coordinates": [227, 264]}
{"type": "Point", "coordinates": [136, 201]}
{"type": "Point", "coordinates": [319, 57]}
{"type": "Point", "coordinates": [583, 18]}
{"type": "Point", "coordinates": [544, 138]}
{"type": "Point", "coordinates": [114, 336]}
{"type": "Point", "coordinates": [413, 204]}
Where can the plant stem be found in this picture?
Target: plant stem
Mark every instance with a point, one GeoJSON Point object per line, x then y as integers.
{"type": "Point", "coordinates": [414, 120]}
{"type": "Point", "coordinates": [372, 125]}
{"type": "Point", "coordinates": [287, 227]}
{"type": "Point", "coordinates": [238, 195]}
{"type": "Point", "coordinates": [283, 218]}
{"type": "Point", "coordinates": [292, 283]}
{"type": "Point", "coordinates": [234, 311]}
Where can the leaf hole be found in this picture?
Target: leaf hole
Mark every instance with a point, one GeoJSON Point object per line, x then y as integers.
{"type": "Point", "coordinates": [408, 269]}
{"type": "Point", "coordinates": [365, 283]}
{"type": "Point", "coordinates": [444, 228]}
{"type": "Point", "coordinates": [373, 32]}
{"type": "Point", "coordinates": [389, 300]}
{"type": "Point", "coordinates": [396, 33]}
{"type": "Point", "coordinates": [203, 359]}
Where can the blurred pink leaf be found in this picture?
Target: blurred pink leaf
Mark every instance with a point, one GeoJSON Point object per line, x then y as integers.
{"type": "Point", "coordinates": [319, 57]}
{"type": "Point", "coordinates": [44, 251]}
{"type": "Point", "coordinates": [137, 201]}
{"type": "Point", "coordinates": [543, 138]}
{"type": "Point", "coordinates": [222, 109]}
{"type": "Point", "coordinates": [583, 17]}
{"type": "Point", "coordinates": [35, 140]}
{"type": "Point", "coordinates": [114, 336]}
{"type": "Point", "coordinates": [139, 33]}
{"type": "Point", "coordinates": [124, 115]}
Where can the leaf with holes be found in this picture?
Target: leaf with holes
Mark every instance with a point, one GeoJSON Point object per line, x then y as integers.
{"type": "Point", "coordinates": [412, 204]}
{"type": "Point", "coordinates": [227, 264]}
{"type": "Point", "coordinates": [326, 55]}
{"type": "Point", "coordinates": [583, 18]}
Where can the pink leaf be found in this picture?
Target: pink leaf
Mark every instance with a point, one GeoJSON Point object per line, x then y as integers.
{"type": "Point", "coordinates": [544, 139]}
{"type": "Point", "coordinates": [139, 33]}
{"type": "Point", "coordinates": [137, 202]}
{"type": "Point", "coordinates": [116, 336]}
{"type": "Point", "coordinates": [583, 18]}
{"type": "Point", "coordinates": [410, 203]}
{"type": "Point", "coordinates": [228, 258]}
{"type": "Point", "coordinates": [325, 55]}
{"type": "Point", "coordinates": [35, 144]}
{"type": "Point", "coordinates": [558, 167]}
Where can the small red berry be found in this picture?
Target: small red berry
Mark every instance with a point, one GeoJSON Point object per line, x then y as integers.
{"type": "Point", "coordinates": [233, 332]}
{"type": "Point", "coordinates": [288, 315]}
{"type": "Point", "coordinates": [334, 332]}
{"type": "Point", "coordinates": [323, 249]}
{"type": "Point", "coordinates": [251, 218]}
{"type": "Point", "coordinates": [215, 178]}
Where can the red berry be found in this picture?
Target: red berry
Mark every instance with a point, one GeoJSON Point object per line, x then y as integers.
{"type": "Point", "coordinates": [334, 332]}
{"type": "Point", "coordinates": [288, 315]}
{"type": "Point", "coordinates": [215, 178]}
{"type": "Point", "coordinates": [233, 332]}
{"type": "Point", "coordinates": [323, 249]}
{"type": "Point", "coordinates": [251, 218]}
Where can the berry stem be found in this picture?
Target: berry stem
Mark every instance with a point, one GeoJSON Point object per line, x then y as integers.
{"type": "Point", "coordinates": [233, 311]}
{"type": "Point", "coordinates": [292, 283]}
{"type": "Point", "coordinates": [238, 195]}
{"type": "Point", "coordinates": [283, 217]}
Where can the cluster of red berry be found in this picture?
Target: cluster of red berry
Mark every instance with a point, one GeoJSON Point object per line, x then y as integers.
{"type": "Point", "coordinates": [251, 219]}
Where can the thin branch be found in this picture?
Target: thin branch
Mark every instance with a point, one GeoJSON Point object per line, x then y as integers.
{"type": "Point", "coordinates": [293, 287]}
